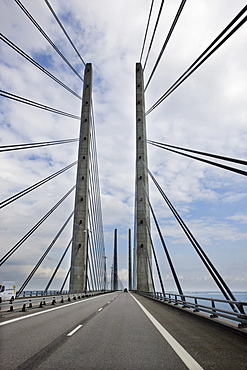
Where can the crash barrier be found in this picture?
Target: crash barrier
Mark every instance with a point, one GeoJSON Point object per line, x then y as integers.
{"type": "Point", "coordinates": [35, 300]}
{"type": "Point", "coordinates": [227, 309]}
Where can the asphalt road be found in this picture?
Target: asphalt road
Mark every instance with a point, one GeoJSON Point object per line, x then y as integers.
{"type": "Point", "coordinates": [113, 332]}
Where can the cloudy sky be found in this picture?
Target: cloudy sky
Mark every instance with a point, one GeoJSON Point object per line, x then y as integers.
{"type": "Point", "coordinates": [207, 112]}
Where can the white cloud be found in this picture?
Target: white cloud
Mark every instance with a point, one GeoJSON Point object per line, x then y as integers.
{"type": "Point", "coordinates": [206, 113]}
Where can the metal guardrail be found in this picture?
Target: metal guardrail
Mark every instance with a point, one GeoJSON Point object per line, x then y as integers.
{"type": "Point", "coordinates": [41, 293]}
{"type": "Point", "coordinates": [202, 304]}
{"type": "Point", "coordinates": [39, 299]}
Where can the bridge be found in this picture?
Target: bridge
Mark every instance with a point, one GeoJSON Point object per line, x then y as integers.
{"type": "Point", "coordinates": [58, 227]}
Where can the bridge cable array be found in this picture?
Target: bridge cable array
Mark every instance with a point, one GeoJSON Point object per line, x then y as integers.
{"type": "Point", "coordinates": [34, 186]}
{"type": "Point", "coordinates": [34, 228]}
{"type": "Point", "coordinates": [35, 104]}
{"type": "Point", "coordinates": [36, 64]}
{"type": "Point", "coordinates": [232, 169]}
{"type": "Point", "coordinates": [154, 254]}
{"type": "Point", "coordinates": [146, 32]}
{"type": "Point", "coordinates": [204, 56]}
{"type": "Point", "coordinates": [96, 250]}
{"type": "Point", "coordinates": [175, 277]}
{"type": "Point", "coordinates": [23, 286]}
{"type": "Point", "coordinates": [166, 41]}
{"type": "Point", "coordinates": [8, 148]}
{"type": "Point", "coordinates": [154, 31]}
{"type": "Point", "coordinates": [64, 30]}
{"type": "Point", "coordinates": [19, 3]}
{"type": "Point", "coordinates": [96, 239]}
{"type": "Point", "coordinates": [206, 261]}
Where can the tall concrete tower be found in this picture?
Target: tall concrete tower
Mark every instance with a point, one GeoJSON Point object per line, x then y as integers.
{"type": "Point", "coordinates": [143, 244]}
{"type": "Point", "coordinates": [79, 257]}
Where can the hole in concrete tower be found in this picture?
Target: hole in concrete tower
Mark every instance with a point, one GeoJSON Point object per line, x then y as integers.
{"type": "Point", "coordinates": [139, 119]}
{"type": "Point", "coordinates": [86, 102]}
{"type": "Point", "coordinates": [141, 245]}
{"type": "Point", "coordinates": [81, 199]}
{"type": "Point", "coordinates": [139, 137]}
{"type": "Point", "coordinates": [85, 138]}
{"type": "Point", "coordinates": [140, 157]}
{"type": "Point", "coordinates": [141, 222]}
{"type": "Point", "coordinates": [83, 157]}
{"type": "Point", "coordinates": [80, 222]}
{"type": "Point", "coordinates": [138, 102]}
{"type": "Point", "coordinates": [140, 177]}
{"type": "Point", "coordinates": [79, 246]}
{"type": "Point", "coordinates": [82, 177]}
{"type": "Point", "coordinates": [85, 120]}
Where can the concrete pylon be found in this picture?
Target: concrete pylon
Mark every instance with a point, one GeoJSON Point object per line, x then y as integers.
{"type": "Point", "coordinates": [130, 262]}
{"type": "Point", "coordinates": [143, 244]}
{"type": "Point", "coordinates": [115, 267]}
{"type": "Point", "coordinates": [79, 256]}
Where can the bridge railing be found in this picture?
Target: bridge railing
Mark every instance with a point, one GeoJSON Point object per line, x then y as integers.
{"type": "Point", "coordinates": [41, 293]}
{"type": "Point", "coordinates": [39, 299]}
{"type": "Point", "coordinates": [230, 310]}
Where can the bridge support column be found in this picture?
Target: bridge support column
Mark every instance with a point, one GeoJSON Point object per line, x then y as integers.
{"type": "Point", "coordinates": [115, 268]}
{"type": "Point", "coordinates": [130, 262]}
{"type": "Point", "coordinates": [79, 256]}
{"type": "Point", "coordinates": [142, 212]}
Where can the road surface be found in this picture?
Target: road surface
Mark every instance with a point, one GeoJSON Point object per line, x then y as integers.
{"type": "Point", "coordinates": [113, 332]}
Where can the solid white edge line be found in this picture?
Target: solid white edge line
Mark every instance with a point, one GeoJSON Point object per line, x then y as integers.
{"type": "Point", "coordinates": [180, 351]}
{"type": "Point", "coordinates": [49, 310]}
{"type": "Point", "coordinates": [75, 330]}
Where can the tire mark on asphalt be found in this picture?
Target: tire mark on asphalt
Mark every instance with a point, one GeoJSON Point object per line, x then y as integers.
{"type": "Point", "coordinates": [41, 356]}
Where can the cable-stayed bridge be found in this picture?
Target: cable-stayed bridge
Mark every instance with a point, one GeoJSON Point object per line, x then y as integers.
{"type": "Point", "coordinates": [86, 272]}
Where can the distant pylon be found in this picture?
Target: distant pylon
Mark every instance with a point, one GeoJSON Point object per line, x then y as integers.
{"type": "Point", "coordinates": [130, 262]}
{"type": "Point", "coordinates": [79, 256]}
{"type": "Point", "coordinates": [142, 212]}
{"type": "Point", "coordinates": [115, 268]}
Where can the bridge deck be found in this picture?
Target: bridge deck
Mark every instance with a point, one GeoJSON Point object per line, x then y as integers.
{"type": "Point", "coordinates": [117, 335]}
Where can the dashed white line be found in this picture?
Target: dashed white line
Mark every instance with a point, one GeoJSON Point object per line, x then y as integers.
{"type": "Point", "coordinates": [100, 309]}
{"type": "Point", "coordinates": [75, 330]}
{"type": "Point", "coordinates": [46, 311]}
{"type": "Point", "coordinates": [180, 351]}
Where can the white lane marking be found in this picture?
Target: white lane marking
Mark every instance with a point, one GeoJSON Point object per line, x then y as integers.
{"type": "Point", "coordinates": [75, 330]}
{"type": "Point", "coordinates": [180, 351]}
{"type": "Point", "coordinates": [100, 309]}
{"type": "Point", "coordinates": [109, 302]}
{"type": "Point", "coordinates": [49, 310]}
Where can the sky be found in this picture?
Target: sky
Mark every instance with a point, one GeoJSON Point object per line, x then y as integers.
{"type": "Point", "coordinates": [207, 112]}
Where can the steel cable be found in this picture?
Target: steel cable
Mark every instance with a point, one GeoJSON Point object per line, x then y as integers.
{"type": "Point", "coordinates": [36, 64]}
{"type": "Point", "coordinates": [166, 41]}
{"type": "Point", "coordinates": [20, 99]}
{"type": "Point", "coordinates": [146, 32]}
{"type": "Point", "coordinates": [11, 199]}
{"type": "Point", "coordinates": [64, 31]}
{"type": "Point", "coordinates": [18, 2]}
{"type": "Point", "coordinates": [23, 286]}
{"type": "Point", "coordinates": [208, 264]}
{"type": "Point", "coordinates": [155, 28]}
{"type": "Point", "coordinates": [228, 168]}
{"type": "Point", "coordinates": [194, 66]}
{"type": "Point", "coordinates": [7, 148]}
{"type": "Point", "coordinates": [34, 228]}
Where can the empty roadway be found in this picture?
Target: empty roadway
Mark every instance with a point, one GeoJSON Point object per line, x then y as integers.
{"type": "Point", "coordinates": [96, 334]}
